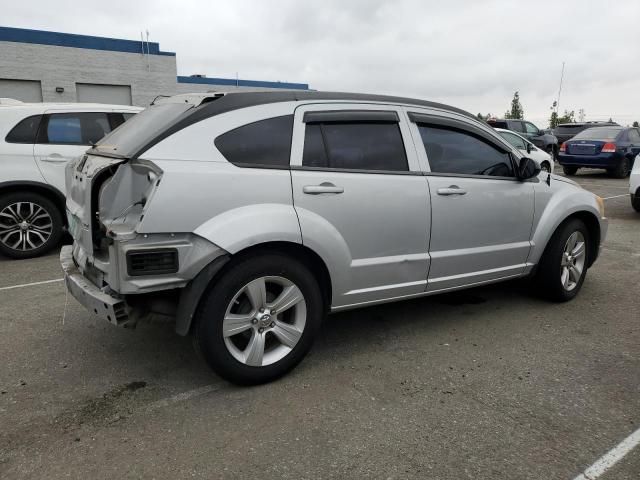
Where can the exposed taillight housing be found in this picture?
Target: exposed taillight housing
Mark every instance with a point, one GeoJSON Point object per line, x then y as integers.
{"type": "Point", "coordinates": [563, 147]}
{"type": "Point", "coordinates": [609, 147]}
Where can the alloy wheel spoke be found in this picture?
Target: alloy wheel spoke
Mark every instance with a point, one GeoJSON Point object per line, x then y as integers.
{"type": "Point", "coordinates": [289, 297]}
{"type": "Point", "coordinates": [575, 272]}
{"type": "Point", "coordinates": [257, 293]}
{"type": "Point", "coordinates": [287, 334]}
{"type": "Point", "coordinates": [28, 240]}
{"type": "Point", "coordinates": [571, 242]}
{"type": "Point", "coordinates": [39, 235]}
{"type": "Point", "coordinates": [254, 353]}
{"type": "Point", "coordinates": [8, 233]}
{"type": "Point", "coordinates": [234, 324]}
{"type": "Point", "coordinates": [9, 213]}
{"type": "Point", "coordinates": [564, 278]}
{"type": "Point", "coordinates": [578, 250]}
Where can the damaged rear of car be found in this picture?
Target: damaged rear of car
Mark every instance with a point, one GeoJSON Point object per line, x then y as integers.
{"type": "Point", "coordinates": [114, 257]}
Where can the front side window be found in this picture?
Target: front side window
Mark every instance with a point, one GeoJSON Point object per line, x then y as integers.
{"type": "Point", "coordinates": [514, 140]}
{"type": "Point", "coordinates": [516, 126]}
{"type": "Point", "coordinates": [25, 131]}
{"type": "Point", "coordinates": [531, 128]}
{"type": "Point", "coordinates": [263, 143]}
{"type": "Point", "coordinates": [458, 152]}
{"type": "Point", "coordinates": [358, 145]}
{"type": "Point", "coordinates": [82, 128]}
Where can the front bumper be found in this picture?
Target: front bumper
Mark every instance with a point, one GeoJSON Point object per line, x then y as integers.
{"type": "Point", "coordinates": [104, 305]}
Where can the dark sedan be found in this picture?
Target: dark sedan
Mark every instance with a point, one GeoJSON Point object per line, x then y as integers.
{"type": "Point", "coordinates": [612, 148]}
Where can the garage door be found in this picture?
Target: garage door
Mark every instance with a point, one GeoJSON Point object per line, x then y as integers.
{"type": "Point", "coordinates": [24, 90]}
{"type": "Point", "coordinates": [95, 93]}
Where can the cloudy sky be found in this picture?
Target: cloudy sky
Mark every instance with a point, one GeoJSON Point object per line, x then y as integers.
{"type": "Point", "coordinates": [471, 54]}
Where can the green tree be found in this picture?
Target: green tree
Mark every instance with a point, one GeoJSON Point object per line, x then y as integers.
{"type": "Point", "coordinates": [636, 124]}
{"type": "Point", "coordinates": [553, 121]}
{"type": "Point", "coordinates": [516, 112]}
{"type": "Point", "coordinates": [568, 117]}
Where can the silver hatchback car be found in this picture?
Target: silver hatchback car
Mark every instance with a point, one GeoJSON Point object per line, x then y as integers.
{"type": "Point", "coordinates": [247, 217]}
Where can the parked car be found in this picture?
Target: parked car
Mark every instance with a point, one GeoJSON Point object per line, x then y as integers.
{"type": "Point", "coordinates": [529, 149]}
{"type": "Point", "coordinates": [611, 148]}
{"type": "Point", "coordinates": [36, 142]}
{"type": "Point", "coordinates": [246, 217]}
{"type": "Point", "coordinates": [543, 139]}
{"type": "Point", "coordinates": [566, 131]}
{"type": "Point", "coordinates": [634, 185]}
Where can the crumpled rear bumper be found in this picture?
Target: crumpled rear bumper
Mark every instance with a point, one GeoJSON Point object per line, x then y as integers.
{"type": "Point", "coordinates": [102, 304]}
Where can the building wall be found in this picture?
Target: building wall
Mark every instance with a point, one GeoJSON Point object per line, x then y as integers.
{"type": "Point", "coordinates": [56, 66]}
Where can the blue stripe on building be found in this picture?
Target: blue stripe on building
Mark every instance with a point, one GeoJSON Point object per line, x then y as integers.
{"type": "Point", "coordinates": [242, 83]}
{"type": "Point", "coordinates": [41, 37]}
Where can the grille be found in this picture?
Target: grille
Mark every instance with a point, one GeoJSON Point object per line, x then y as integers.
{"type": "Point", "coordinates": [152, 262]}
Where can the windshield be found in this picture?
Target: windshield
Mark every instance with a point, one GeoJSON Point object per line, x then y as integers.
{"type": "Point", "coordinates": [128, 138]}
{"type": "Point", "coordinates": [599, 133]}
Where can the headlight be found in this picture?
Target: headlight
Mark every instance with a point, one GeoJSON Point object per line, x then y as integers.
{"type": "Point", "coordinates": [600, 205]}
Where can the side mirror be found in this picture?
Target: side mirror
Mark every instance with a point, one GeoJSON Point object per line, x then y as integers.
{"type": "Point", "coordinates": [528, 168]}
{"type": "Point", "coordinates": [528, 148]}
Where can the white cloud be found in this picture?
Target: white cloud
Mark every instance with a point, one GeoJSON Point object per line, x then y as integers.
{"type": "Point", "coordinates": [471, 54]}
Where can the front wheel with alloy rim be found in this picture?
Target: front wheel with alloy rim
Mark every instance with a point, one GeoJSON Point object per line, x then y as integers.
{"type": "Point", "coordinates": [259, 319]}
{"type": "Point", "coordinates": [30, 225]}
{"type": "Point", "coordinates": [563, 266]}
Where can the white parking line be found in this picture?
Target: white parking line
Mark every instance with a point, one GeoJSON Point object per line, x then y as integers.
{"type": "Point", "coordinates": [610, 458]}
{"type": "Point", "coordinates": [616, 196]}
{"type": "Point", "coordinates": [31, 284]}
{"type": "Point", "coordinates": [181, 397]}
{"type": "Point", "coordinates": [599, 185]}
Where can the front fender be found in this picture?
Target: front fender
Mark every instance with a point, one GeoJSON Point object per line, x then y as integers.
{"type": "Point", "coordinates": [243, 227]}
{"type": "Point", "coordinates": [554, 207]}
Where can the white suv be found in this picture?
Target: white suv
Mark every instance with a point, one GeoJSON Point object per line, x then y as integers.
{"type": "Point", "coordinates": [36, 142]}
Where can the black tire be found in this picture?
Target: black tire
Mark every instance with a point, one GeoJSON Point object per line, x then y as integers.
{"type": "Point", "coordinates": [208, 329]}
{"type": "Point", "coordinates": [548, 276]}
{"type": "Point", "coordinates": [622, 169]}
{"type": "Point", "coordinates": [635, 201]}
{"type": "Point", "coordinates": [9, 203]}
{"type": "Point", "coordinates": [569, 170]}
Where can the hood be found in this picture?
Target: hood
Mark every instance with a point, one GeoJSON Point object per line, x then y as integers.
{"type": "Point", "coordinates": [564, 180]}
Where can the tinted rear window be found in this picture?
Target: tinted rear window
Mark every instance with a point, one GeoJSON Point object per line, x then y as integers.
{"type": "Point", "coordinates": [25, 131]}
{"type": "Point", "coordinates": [263, 143]}
{"type": "Point", "coordinates": [601, 133]}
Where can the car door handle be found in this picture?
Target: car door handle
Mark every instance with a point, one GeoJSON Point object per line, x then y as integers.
{"type": "Point", "coordinates": [324, 187]}
{"type": "Point", "coordinates": [452, 190]}
{"type": "Point", "coordinates": [54, 159]}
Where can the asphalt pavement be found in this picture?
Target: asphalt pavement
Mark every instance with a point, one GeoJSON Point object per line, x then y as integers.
{"type": "Point", "coordinates": [489, 383]}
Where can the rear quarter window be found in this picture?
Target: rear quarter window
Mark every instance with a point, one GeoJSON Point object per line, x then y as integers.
{"type": "Point", "coordinates": [25, 131]}
{"type": "Point", "coordinates": [265, 143]}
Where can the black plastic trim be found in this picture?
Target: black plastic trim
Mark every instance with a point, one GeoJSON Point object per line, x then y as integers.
{"type": "Point", "coordinates": [356, 170]}
{"type": "Point", "coordinates": [157, 251]}
{"type": "Point", "coordinates": [191, 294]}
{"type": "Point", "coordinates": [361, 116]}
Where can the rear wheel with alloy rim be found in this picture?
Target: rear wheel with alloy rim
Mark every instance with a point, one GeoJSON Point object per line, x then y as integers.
{"type": "Point", "coordinates": [30, 225]}
{"type": "Point", "coordinates": [259, 319]}
{"type": "Point", "coordinates": [563, 267]}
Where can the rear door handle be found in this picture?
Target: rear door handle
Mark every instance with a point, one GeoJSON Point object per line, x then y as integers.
{"type": "Point", "coordinates": [452, 190]}
{"type": "Point", "coordinates": [54, 158]}
{"type": "Point", "coordinates": [324, 187]}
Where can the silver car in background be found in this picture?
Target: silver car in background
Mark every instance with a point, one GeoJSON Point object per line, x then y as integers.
{"type": "Point", "coordinates": [246, 217]}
